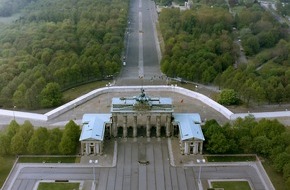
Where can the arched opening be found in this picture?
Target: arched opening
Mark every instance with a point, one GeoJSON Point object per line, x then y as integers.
{"type": "Point", "coordinates": [141, 132]}
{"type": "Point", "coordinates": [175, 130]}
{"type": "Point", "coordinates": [107, 134]}
{"type": "Point", "coordinates": [120, 131]}
{"type": "Point", "coordinates": [163, 131]}
{"type": "Point", "coordinates": [153, 131]}
{"type": "Point", "coordinates": [130, 132]}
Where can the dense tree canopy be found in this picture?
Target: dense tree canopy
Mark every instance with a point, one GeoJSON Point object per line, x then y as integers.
{"type": "Point", "coordinates": [24, 139]}
{"type": "Point", "coordinates": [37, 141]}
{"type": "Point", "coordinates": [57, 44]}
{"type": "Point", "coordinates": [69, 141]}
{"type": "Point", "coordinates": [268, 138]}
{"type": "Point", "coordinates": [201, 45]}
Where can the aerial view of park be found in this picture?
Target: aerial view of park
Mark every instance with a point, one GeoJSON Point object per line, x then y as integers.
{"type": "Point", "coordinates": [176, 94]}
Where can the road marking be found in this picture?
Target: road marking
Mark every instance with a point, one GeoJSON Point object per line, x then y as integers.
{"type": "Point", "coordinates": [140, 60]}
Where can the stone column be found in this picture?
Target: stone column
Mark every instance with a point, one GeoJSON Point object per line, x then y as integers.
{"type": "Point", "coordinates": [168, 125]}
{"type": "Point", "coordinates": [186, 147]}
{"type": "Point", "coordinates": [97, 148]}
{"type": "Point", "coordinates": [200, 147]}
{"type": "Point", "coordinates": [87, 148]}
{"type": "Point", "coordinates": [101, 147]}
{"type": "Point", "coordinates": [82, 148]}
{"type": "Point", "coordinates": [148, 126]}
{"type": "Point", "coordinates": [158, 125]}
{"type": "Point", "coordinates": [135, 126]}
{"type": "Point", "coordinates": [196, 147]}
{"type": "Point", "coordinates": [115, 129]}
{"type": "Point", "coordinates": [125, 126]}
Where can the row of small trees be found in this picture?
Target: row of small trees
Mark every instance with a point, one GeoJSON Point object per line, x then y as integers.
{"type": "Point", "coordinates": [25, 139]}
{"type": "Point", "coordinates": [267, 138]}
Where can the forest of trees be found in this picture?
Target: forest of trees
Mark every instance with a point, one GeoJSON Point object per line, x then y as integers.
{"type": "Point", "coordinates": [25, 139]}
{"type": "Point", "coordinates": [201, 46]}
{"type": "Point", "coordinates": [283, 7]}
{"type": "Point", "coordinates": [57, 44]}
{"type": "Point", "coordinates": [267, 138]}
{"type": "Point", "coordinates": [9, 7]}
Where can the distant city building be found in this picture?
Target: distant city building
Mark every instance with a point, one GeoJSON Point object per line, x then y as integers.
{"type": "Point", "coordinates": [141, 116]}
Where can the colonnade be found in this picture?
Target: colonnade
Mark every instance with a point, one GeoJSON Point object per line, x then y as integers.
{"type": "Point", "coordinates": [91, 147]}
{"type": "Point", "coordinates": [124, 118]}
{"type": "Point", "coordinates": [191, 147]}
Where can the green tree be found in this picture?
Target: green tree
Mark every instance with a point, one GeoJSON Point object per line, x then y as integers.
{"type": "Point", "coordinates": [36, 144]}
{"type": "Point", "coordinates": [51, 95]}
{"type": "Point", "coordinates": [12, 129]}
{"type": "Point", "coordinates": [251, 45]}
{"type": "Point", "coordinates": [53, 141]}
{"type": "Point", "coordinates": [286, 171]}
{"type": "Point", "coordinates": [228, 97]}
{"type": "Point", "coordinates": [18, 96]}
{"type": "Point", "coordinates": [281, 160]}
{"type": "Point", "coordinates": [19, 142]}
{"type": "Point", "coordinates": [18, 145]}
{"type": "Point", "coordinates": [268, 128]}
{"type": "Point", "coordinates": [218, 143]}
{"type": "Point", "coordinates": [4, 144]}
{"type": "Point", "coordinates": [69, 140]}
{"type": "Point", "coordinates": [287, 183]}
{"type": "Point", "coordinates": [261, 145]}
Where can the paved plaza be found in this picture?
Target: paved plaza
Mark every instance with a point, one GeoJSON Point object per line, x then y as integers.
{"type": "Point", "coordinates": [140, 163]}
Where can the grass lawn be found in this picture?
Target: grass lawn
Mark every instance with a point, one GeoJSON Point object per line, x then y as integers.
{"type": "Point", "coordinates": [276, 178]}
{"type": "Point", "coordinates": [231, 185]}
{"type": "Point", "coordinates": [5, 168]}
{"type": "Point", "coordinates": [58, 186]}
{"type": "Point", "coordinates": [230, 158]}
{"type": "Point", "coordinates": [72, 159]}
{"type": "Point", "coordinates": [73, 93]}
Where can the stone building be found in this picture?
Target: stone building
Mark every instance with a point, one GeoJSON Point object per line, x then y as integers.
{"type": "Point", "coordinates": [190, 133]}
{"type": "Point", "coordinates": [141, 116]}
{"type": "Point", "coordinates": [93, 133]}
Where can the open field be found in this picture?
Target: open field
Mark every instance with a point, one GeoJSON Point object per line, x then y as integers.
{"type": "Point", "coordinates": [5, 168]}
{"type": "Point", "coordinates": [73, 93]}
{"type": "Point", "coordinates": [276, 178]}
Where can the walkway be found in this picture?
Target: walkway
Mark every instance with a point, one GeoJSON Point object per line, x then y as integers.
{"type": "Point", "coordinates": [143, 164]}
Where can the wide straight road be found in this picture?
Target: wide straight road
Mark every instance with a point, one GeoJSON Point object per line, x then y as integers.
{"type": "Point", "coordinates": [144, 165]}
{"type": "Point", "coordinates": [142, 52]}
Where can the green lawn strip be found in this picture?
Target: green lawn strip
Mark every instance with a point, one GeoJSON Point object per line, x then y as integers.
{"type": "Point", "coordinates": [230, 158]}
{"type": "Point", "coordinates": [48, 159]}
{"type": "Point", "coordinates": [5, 168]}
{"type": "Point", "coordinates": [276, 178]}
{"type": "Point", "coordinates": [231, 185]}
{"type": "Point", "coordinates": [58, 186]}
{"type": "Point", "coordinates": [76, 92]}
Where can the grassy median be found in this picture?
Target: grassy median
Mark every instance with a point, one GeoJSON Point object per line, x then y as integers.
{"type": "Point", "coordinates": [58, 186]}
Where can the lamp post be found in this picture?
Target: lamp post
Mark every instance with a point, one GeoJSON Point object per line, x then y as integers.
{"type": "Point", "coordinates": [94, 173]}
{"type": "Point", "coordinates": [200, 161]}
{"type": "Point", "coordinates": [74, 114]}
{"type": "Point", "coordinates": [14, 112]}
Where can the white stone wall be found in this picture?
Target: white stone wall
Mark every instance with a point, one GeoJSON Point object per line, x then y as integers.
{"type": "Point", "coordinates": [82, 99]}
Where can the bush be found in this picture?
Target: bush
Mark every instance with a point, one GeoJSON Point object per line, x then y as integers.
{"type": "Point", "coordinates": [228, 97]}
